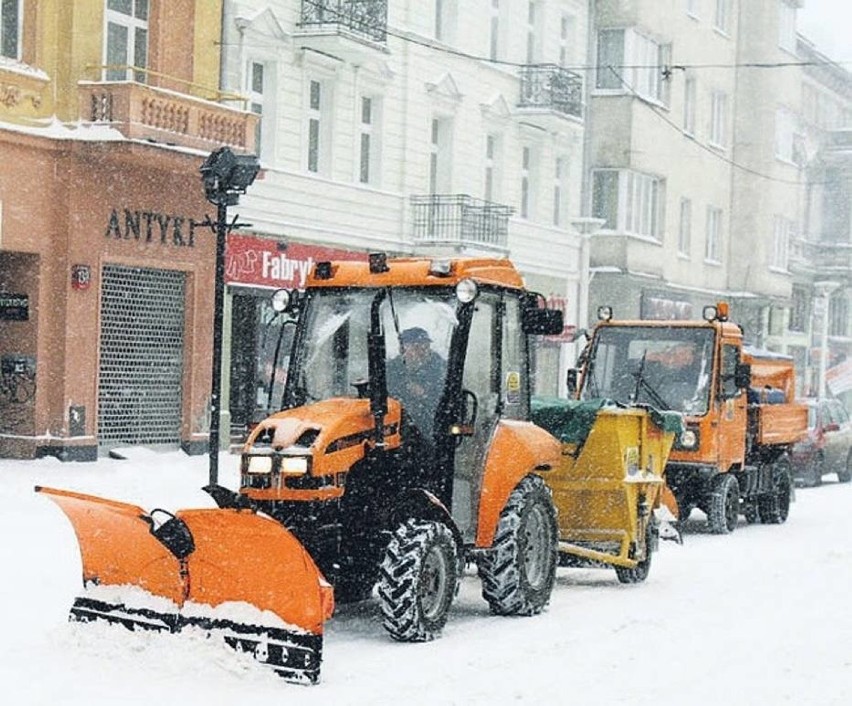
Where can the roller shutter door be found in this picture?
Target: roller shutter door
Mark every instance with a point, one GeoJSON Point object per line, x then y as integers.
{"type": "Point", "coordinates": [141, 356]}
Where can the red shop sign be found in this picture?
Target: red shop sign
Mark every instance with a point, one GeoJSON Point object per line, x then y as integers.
{"type": "Point", "coordinates": [264, 262]}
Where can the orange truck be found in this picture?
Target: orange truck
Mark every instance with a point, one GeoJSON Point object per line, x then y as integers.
{"type": "Point", "coordinates": [741, 417]}
{"type": "Point", "coordinates": [403, 449]}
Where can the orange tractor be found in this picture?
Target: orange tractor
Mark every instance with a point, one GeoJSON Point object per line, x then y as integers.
{"type": "Point", "coordinates": [403, 449]}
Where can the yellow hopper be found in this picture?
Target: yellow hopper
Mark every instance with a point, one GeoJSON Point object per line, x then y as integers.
{"type": "Point", "coordinates": [609, 485]}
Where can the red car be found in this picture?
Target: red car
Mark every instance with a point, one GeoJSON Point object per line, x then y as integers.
{"type": "Point", "coordinates": [828, 445]}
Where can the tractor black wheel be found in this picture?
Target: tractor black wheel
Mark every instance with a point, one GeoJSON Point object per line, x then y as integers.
{"type": "Point", "coordinates": [751, 512]}
{"type": "Point", "coordinates": [845, 475]}
{"type": "Point", "coordinates": [639, 572]}
{"type": "Point", "coordinates": [419, 578]}
{"type": "Point", "coordinates": [775, 505]}
{"type": "Point", "coordinates": [724, 511]}
{"type": "Point", "coordinates": [519, 570]}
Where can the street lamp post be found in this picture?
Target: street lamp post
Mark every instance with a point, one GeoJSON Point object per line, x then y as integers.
{"type": "Point", "coordinates": [225, 176]}
{"type": "Point", "coordinates": [824, 290]}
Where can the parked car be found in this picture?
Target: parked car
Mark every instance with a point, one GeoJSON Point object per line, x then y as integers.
{"type": "Point", "coordinates": [828, 445]}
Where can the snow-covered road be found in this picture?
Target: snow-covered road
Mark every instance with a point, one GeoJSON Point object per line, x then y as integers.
{"type": "Point", "coordinates": [763, 616]}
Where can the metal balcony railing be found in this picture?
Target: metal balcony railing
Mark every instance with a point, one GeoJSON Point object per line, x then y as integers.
{"type": "Point", "coordinates": [551, 87]}
{"type": "Point", "coordinates": [460, 219]}
{"type": "Point", "coordinates": [368, 18]}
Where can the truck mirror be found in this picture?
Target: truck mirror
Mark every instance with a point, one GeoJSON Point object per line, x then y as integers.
{"type": "Point", "coordinates": [547, 322]}
{"type": "Point", "coordinates": [571, 381]}
{"type": "Point", "coordinates": [742, 375]}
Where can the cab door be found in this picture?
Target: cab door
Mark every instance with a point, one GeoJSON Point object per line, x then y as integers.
{"type": "Point", "coordinates": [730, 409]}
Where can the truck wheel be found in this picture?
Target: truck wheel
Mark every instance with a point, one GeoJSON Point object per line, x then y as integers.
{"type": "Point", "coordinates": [639, 572]}
{"type": "Point", "coordinates": [751, 512]}
{"type": "Point", "coordinates": [845, 475]}
{"type": "Point", "coordinates": [418, 580]}
{"type": "Point", "coordinates": [724, 510]}
{"type": "Point", "coordinates": [519, 570]}
{"type": "Point", "coordinates": [775, 505]}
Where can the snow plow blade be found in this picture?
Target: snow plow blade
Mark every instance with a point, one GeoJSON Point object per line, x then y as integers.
{"type": "Point", "coordinates": [228, 572]}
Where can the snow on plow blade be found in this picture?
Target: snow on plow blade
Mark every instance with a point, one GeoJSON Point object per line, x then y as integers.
{"type": "Point", "coordinates": [229, 572]}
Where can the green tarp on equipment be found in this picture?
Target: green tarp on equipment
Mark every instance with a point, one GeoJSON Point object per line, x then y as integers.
{"type": "Point", "coordinates": [570, 421]}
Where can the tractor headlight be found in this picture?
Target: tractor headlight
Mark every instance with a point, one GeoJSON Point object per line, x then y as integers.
{"type": "Point", "coordinates": [294, 465]}
{"type": "Point", "coordinates": [259, 464]}
{"type": "Point", "coordinates": [688, 440]}
{"type": "Point", "coordinates": [466, 291]}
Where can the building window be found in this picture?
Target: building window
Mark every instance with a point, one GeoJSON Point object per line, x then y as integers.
{"type": "Point", "coordinates": [628, 202]}
{"type": "Point", "coordinates": [493, 173]}
{"type": "Point", "coordinates": [126, 40]}
{"type": "Point", "coordinates": [369, 146]}
{"type": "Point", "coordinates": [527, 181]}
{"type": "Point", "coordinates": [787, 26]}
{"type": "Point", "coordinates": [445, 20]}
{"type": "Point", "coordinates": [692, 8]}
{"type": "Point", "coordinates": [533, 32]}
{"type": "Point", "coordinates": [255, 95]}
{"type": "Point", "coordinates": [689, 94]}
{"type": "Point", "coordinates": [560, 191]}
{"type": "Point", "coordinates": [785, 135]}
{"type": "Point", "coordinates": [713, 235]}
{"type": "Point", "coordinates": [718, 119]}
{"type": "Point", "coordinates": [318, 118]}
{"type": "Point", "coordinates": [647, 60]}
{"type": "Point", "coordinates": [439, 156]}
{"type": "Point", "coordinates": [799, 309]}
{"type": "Point", "coordinates": [838, 315]}
{"type": "Point", "coordinates": [684, 231]}
{"type": "Point", "coordinates": [494, 36]}
{"type": "Point", "coordinates": [567, 30]}
{"type": "Point", "coordinates": [10, 29]}
{"type": "Point", "coordinates": [782, 231]}
{"type": "Point", "coordinates": [723, 16]}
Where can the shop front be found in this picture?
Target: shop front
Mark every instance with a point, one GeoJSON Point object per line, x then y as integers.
{"type": "Point", "coordinates": [258, 344]}
{"type": "Point", "coordinates": [106, 281]}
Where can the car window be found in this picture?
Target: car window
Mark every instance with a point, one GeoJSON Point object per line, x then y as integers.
{"type": "Point", "coordinates": [841, 416]}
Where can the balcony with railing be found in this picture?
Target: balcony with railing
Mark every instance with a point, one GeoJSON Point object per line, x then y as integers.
{"type": "Point", "coordinates": [140, 111]}
{"type": "Point", "coordinates": [822, 258]}
{"type": "Point", "coordinates": [548, 89]}
{"type": "Point", "coordinates": [350, 29]}
{"type": "Point", "coordinates": [459, 220]}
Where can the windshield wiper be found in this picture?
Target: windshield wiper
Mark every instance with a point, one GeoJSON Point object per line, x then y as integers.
{"type": "Point", "coordinates": [643, 384]}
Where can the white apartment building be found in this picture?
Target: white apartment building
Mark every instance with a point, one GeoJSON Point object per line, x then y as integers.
{"type": "Point", "coordinates": [661, 141]}
{"type": "Point", "coordinates": [416, 126]}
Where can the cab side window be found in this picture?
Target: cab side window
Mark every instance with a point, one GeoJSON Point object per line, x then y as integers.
{"type": "Point", "coordinates": [730, 359]}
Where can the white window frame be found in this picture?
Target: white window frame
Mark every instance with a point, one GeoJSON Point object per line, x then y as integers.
{"type": "Point", "coordinates": [639, 202]}
{"type": "Point", "coordinates": [561, 167]}
{"type": "Point", "coordinates": [492, 188]}
{"type": "Point", "coordinates": [690, 96]}
{"type": "Point", "coordinates": [567, 38]}
{"type": "Point", "coordinates": [445, 20]}
{"type": "Point", "coordinates": [786, 130]}
{"type": "Point", "coordinates": [647, 56]}
{"type": "Point", "coordinates": [692, 9]}
{"type": "Point", "coordinates": [684, 233]}
{"type": "Point", "coordinates": [133, 26]}
{"type": "Point", "coordinates": [256, 100]}
{"type": "Point", "coordinates": [495, 29]}
{"type": "Point", "coordinates": [369, 132]}
{"type": "Point", "coordinates": [17, 7]}
{"type": "Point", "coordinates": [722, 17]}
{"type": "Point", "coordinates": [782, 232]}
{"type": "Point", "coordinates": [318, 124]}
{"type": "Point", "coordinates": [718, 136]}
{"type": "Point", "coordinates": [535, 10]}
{"type": "Point", "coordinates": [713, 236]}
{"type": "Point", "coordinates": [440, 154]}
{"type": "Point", "coordinates": [526, 182]}
{"type": "Point", "coordinates": [610, 60]}
{"type": "Point", "coordinates": [787, 26]}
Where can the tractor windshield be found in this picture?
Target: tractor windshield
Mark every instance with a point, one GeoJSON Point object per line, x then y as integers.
{"type": "Point", "coordinates": [666, 367]}
{"type": "Point", "coordinates": [332, 360]}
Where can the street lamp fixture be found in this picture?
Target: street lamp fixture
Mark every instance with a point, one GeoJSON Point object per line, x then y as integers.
{"type": "Point", "coordinates": [225, 176]}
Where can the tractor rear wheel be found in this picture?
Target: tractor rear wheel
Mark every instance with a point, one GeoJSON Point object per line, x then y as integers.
{"type": "Point", "coordinates": [775, 505]}
{"type": "Point", "coordinates": [724, 510]}
{"type": "Point", "coordinates": [419, 578]}
{"type": "Point", "coordinates": [519, 570]}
